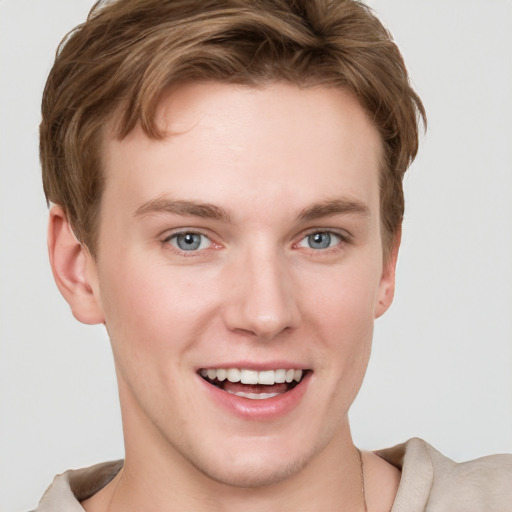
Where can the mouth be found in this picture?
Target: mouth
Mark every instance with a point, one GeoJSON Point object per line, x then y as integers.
{"type": "Point", "coordinates": [253, 384]}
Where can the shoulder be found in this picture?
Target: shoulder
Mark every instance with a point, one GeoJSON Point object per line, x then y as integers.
{"type": "Point", "coordinates": [428, 477]}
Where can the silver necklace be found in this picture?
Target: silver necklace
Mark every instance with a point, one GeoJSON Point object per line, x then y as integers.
{"type": "Point", "coordinates": [363, 491]}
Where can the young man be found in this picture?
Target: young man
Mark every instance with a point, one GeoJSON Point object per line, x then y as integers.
{"type": "Point", "coordinates": [226, 180]}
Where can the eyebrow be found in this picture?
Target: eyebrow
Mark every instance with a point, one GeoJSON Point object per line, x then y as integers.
{"type": "Point", "coordinates": [185, 208]}
{"type": "Point", "coordinates": [331, 207]}
{"type": "Point", "coordinates": [328, 208]}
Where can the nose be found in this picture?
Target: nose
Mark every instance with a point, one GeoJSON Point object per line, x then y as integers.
{"type": "Point", "coordinates": [262, 301]}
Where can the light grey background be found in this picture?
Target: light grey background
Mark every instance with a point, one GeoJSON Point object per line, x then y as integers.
{"type": "Point", "coordinates": [442, 361]}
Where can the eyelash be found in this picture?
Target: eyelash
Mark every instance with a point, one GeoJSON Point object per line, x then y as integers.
{"type": "Point", "coordinates": [167, 243]}
{"type": "Point", "coordinates": [343, 239]}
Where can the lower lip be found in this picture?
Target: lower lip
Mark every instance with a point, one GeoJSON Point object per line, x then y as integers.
{"type": "Point", "coordinates": [267, 409]}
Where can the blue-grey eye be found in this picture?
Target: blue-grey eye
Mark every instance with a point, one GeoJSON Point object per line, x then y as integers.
{"type": "Point", "coordinates": [190, 241]}
{"type": "Point", "coordinates": [320, 240]}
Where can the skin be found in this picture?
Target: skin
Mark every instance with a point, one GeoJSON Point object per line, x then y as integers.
{"type": "Point", "coordinates": [254, 291]}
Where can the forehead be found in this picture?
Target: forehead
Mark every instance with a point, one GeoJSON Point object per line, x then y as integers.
{"type": "Point", "coordinates": [238, 142]}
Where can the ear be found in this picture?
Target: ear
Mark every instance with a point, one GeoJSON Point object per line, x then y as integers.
{"type": "Point", "coordinates": [74, 269]}
{"type": "Point", "coordinates": [386, 290]}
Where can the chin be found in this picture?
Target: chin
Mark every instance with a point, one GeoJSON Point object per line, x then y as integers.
{"type": "Point", "coordinates": [257, 463]}
{"type": "Point", "coordinates": [254, 472]}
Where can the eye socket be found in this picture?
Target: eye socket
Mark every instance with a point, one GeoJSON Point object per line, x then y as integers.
{"type": "Point", "coordinates": [320, 240]}
{"type": "Point", "coordinates": [189, 241]}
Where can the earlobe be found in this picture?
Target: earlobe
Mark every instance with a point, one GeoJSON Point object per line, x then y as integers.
{"type": "Point", "coordinates": [387, 283]}
{"type": "Point", "coordinates": [73, 269]}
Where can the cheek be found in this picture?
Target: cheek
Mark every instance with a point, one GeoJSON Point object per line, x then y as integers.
{"type": "Point", "coordinates": [341, 316]}
{"type": "Point", "coordinates": [151, 307]}
{"type": "Point", "coordinates": [343, 298]}
{"type": "Point", "coordinates": [347, 324]}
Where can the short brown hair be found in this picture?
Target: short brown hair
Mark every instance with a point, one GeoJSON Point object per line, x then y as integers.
{"type": "Point", "coordinates": [129, 52]}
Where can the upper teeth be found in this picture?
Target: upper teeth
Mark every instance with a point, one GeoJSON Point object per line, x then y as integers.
{"type": "Point", "coordinates": [267, 377]}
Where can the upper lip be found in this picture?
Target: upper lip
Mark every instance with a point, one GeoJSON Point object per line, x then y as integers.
{"type": "Point", "coordinates": [257, 366]}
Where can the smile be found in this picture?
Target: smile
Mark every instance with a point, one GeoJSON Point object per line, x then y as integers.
{"type": "Point", "coordinates": [253, 384]}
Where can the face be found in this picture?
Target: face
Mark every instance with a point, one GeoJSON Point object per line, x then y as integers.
{"type": "Point", "coordinates": [239, 272]}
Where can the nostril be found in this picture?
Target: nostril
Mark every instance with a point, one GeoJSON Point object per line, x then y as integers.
{"type": "Point", "coordinates": [262, 303]}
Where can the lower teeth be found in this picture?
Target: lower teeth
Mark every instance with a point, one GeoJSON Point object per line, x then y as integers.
{"type": "Point", "coordinates": [254, 396]}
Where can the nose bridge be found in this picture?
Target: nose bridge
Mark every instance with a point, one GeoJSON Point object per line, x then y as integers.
{"type": "Point", "coordinates": [263, 302]}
